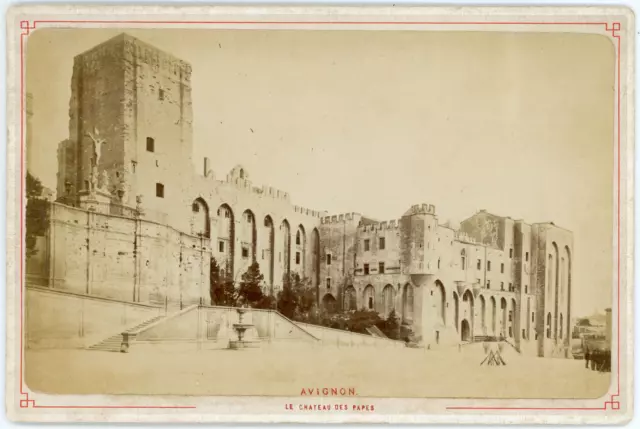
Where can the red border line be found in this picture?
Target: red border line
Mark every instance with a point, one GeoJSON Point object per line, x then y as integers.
{"type": "Point", "coordinates": [317, 22]}
{"type": "Point", "coordinates": [26, 28]}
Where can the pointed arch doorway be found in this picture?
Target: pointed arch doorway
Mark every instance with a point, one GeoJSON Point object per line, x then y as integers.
{"type": "Point", "coordinates": [465, 330]}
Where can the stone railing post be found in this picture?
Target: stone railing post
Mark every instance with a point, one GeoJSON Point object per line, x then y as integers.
{"type": "Point", "coordinates": [127, 340]}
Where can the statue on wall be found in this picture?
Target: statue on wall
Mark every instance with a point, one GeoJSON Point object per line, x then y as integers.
{"type": "Point", "coordinates": [97, 146]}
{"type": "Point", "coordinates": [93, 181]}
{"type": "Point", "coordinates": [139, 208]}
{"type": "Point", "coordinates": [104, 181]}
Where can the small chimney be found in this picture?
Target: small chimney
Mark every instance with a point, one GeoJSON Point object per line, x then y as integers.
{"type": "Point", "coordinates": [207, 167]}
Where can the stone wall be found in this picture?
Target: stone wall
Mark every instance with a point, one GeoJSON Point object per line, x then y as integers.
{"type": "Point", "coordinates": [57, 319]}
{"type": "Point", "coordinates": [338, 247]}
{"type": "Point", "coordinates": [552, 249]}
{"type": "Point", "coordinates": [97, 92]}
{"type": "Point", "coordinates": [126, 259]}
{"type": "Point", "coordinates": [212, 327]}
{"type": "Point", "coordinates": [340, 338]}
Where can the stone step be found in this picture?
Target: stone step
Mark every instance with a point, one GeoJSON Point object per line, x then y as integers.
{"type": "Point", "coordinates": [113, 343]}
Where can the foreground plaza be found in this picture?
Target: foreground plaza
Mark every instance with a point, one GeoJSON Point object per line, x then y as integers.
{"type": "Point", "coordinates": [285, 371]}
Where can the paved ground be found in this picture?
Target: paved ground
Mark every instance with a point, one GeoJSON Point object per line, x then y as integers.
{"type": "Point", "coordinates": [285, 371]}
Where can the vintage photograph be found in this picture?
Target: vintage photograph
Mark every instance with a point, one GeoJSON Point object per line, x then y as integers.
{"type": "Point", "coordinates": [322, 213]}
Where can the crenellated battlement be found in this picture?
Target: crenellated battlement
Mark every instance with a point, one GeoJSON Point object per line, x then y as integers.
{"type": "Point", "coordinates": [309, 212]}
{"type": "Point", "coordinates": [271, 192]}
{"type": "Point", "coordinates": [238, 177]}
{"type": "Point", "coordinates": [384, 225]}
{"type": "Point", "coordinates": [343, 217]}
{"type": "Point", "coordinates": [464, 237]}
{"type": "Point", "coordinates": [421, 209]}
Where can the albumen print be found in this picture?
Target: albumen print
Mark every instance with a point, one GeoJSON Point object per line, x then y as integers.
{"type": "Point", "coordinates": [321, 217]}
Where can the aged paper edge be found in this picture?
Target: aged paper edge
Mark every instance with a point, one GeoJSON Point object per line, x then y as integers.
{"type": "Point", "coordinates": [23, 405]}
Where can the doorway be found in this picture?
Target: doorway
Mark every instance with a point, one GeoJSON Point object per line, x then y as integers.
{"type": "Point", "coordinates": [465, 330]}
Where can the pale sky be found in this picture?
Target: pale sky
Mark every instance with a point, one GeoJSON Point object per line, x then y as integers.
{"type": "Point", "coordinates": [519, 124]}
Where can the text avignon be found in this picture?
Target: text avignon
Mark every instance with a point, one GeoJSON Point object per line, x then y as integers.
{"type": "Point", "coordinates": [328, 391]}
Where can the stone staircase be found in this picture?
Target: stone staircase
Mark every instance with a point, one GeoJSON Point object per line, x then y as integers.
{"type": "Point", "coordinates": [114, 342]}
{"type": "Point", "coordinates": [483, 338]}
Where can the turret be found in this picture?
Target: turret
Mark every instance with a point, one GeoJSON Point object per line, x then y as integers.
{"type": "Point", "coordinates": [418, 230]}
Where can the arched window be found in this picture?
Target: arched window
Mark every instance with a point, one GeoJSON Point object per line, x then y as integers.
{"type": "Point", "coordinates": [241, 173]}
{"type": "Point", "coordinates": [560, 330]}
{"type": "Point", "coordinates": [407, 303]}
{"type": "Point", "coordinates": [550, 271]}
{"type": "Point", "coordinates": [350, 298]}
{"type": "Point", "coordinates": [200, 218]}
{"type": "Point", "coordinates": [463, 258]}
{"type": "Point", "coordinates": [388, 297]}
{"type": "Point", "coordinates": [368, 296]}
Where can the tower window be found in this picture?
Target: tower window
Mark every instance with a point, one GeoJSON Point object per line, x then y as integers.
{"type": "Point", "coordinates": [479, 264]}
{"type": "Point", "coordinates": [488, 284]}
{"type": "Point", "coordinates": [463, 258]}
{"type": "Point", "coordinates": [511, 253]}
{"type": "Point", "coordinates": [221, 246]}
{"type": "Point", "coordinates": [328, 259]}
{"type": "Point", "coordinates": [488, 265]}
{"type": "Point", "coordinates": [381, 267]}
{"type": "Point", "coordinates": [159, 190]}
{"type": "Point", "coordinates": [328, 283]}
{"type": "Point", "coordinates": [526, 257]}
{"type": "Point", "coordinates": [366, 245]}
{"type": "Point", "coordinates": [366, 269]}
{"type": "Point", "coordinates": [381, 243]}
{"type": "Point", "coordinates": [526, 289]}
{"type": "Point", "coordinates": [501, 285]}
{"type": "Point", "coordinates": [502, 268]}
{"type": "Point", "coordinates": [245, 252]}
{"type": "Point", "coordinates": [297, 258]}
{"type": "Point", "coordinates": [298, 237]}
{"type": "Point", "coordinates": [151, 144]}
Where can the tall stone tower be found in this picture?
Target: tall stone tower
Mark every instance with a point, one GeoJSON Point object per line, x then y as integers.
{"type": "Point", "coordinates": [418, 228]}
{"type": "Point", "coordinates": [135, 100]}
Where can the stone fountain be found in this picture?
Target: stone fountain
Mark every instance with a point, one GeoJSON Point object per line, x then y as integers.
{"type": "Point", "coordinates": [241, 328]}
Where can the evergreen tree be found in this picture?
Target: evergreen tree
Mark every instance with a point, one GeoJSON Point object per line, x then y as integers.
{"type": "Point", "coordinates": [297, 299]}
{"type": "Point", "coordinates": [391, 326]}
{"type": "Point", "coordinates": [36, 215]}
{"type": "Point", "coordinates": [222, 288]}
{"type": "Point", "coordinates": [360, 320]}
{"type": "Point", "coordinates": [287, 298]}
{"type": "Point", "coordinates": [251, 286]}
